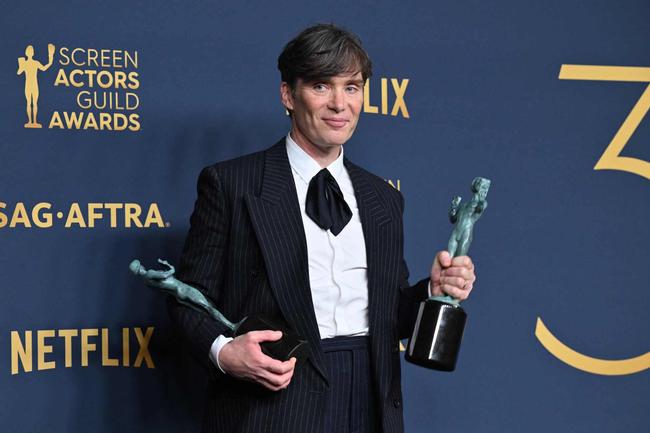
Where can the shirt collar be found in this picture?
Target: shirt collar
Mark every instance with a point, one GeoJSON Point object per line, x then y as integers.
{"type": "Point", "coordinates": [306, 166]}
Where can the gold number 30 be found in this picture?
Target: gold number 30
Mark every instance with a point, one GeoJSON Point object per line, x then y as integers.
{"type": "Point", "coordinates": [610, 160]}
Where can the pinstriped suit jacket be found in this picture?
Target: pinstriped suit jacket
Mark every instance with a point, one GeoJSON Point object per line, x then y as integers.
{"type": "Point", "coordinates": [246, 250]}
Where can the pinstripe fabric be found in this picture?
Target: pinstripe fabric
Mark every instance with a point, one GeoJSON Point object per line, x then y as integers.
{"type": "Point", "coordinates": [350, 402]}
{"type": "Point", "coordinates": [246, 250]}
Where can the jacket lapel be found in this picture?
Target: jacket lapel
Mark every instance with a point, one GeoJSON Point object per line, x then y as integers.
{"type": "Point", "coordinates": [374, 217]}
{"type": "Point", "coordinates": [276, 218]}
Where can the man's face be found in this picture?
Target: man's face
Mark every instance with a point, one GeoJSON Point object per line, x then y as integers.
{"type": "Point", "coordinates": [325, 112]}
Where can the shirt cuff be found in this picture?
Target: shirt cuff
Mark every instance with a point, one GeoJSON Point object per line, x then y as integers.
{"type": "Point", "coordinates": [429, 288]}
{"type": "Point", "coordinates": [216, 347]}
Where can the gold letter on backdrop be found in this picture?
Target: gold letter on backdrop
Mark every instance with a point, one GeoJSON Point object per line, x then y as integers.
{"type": "Point", "coordinates": [611, 158]}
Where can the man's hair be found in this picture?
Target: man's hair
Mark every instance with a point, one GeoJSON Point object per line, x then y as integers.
{"type": "Point", "coordinates": [323, 51]}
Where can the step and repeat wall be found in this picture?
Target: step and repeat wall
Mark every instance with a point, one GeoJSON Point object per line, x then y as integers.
{"type": "Point", "coordinates": [130, 100]}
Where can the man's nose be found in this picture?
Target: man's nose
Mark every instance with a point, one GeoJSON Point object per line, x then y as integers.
{"type": "Point", "coordinates": [337, 100]}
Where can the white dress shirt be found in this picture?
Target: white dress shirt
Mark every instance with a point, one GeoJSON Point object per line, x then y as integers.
{"type": "Point", "coordinates": [338, 271]}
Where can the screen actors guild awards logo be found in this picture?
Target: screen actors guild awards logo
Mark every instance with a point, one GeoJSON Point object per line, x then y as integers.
{"type": "Point", "coordinates": [30, 67]}
{"type": "Point", "coordinates": [100, 88]}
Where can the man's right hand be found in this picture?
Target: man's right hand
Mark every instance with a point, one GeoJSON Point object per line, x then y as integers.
{"type": "Point", "coordinates": [243, 358]}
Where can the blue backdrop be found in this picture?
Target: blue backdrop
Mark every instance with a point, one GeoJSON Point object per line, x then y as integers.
{"type": "Point", "coordinates": [561, 241]}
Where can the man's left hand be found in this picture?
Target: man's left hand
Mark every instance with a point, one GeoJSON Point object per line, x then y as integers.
{"type": "Point", "coordinates": [452, 276]}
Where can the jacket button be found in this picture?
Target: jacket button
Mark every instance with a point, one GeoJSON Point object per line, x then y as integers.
{"type": "Point", "coordinates": [397, 403]}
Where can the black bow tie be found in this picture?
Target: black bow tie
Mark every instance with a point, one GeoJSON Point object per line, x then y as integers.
{"type": "Point", "coordinates": [325, 203]}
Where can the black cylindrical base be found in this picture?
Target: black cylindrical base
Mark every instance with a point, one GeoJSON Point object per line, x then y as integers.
{"type": "Point", "coordinates": [290, 345]}
{"type": "Point", "coordinates": [436, 336]}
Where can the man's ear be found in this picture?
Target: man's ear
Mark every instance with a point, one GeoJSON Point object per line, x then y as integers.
{"type": "Point", "coordinates": [286, 96]}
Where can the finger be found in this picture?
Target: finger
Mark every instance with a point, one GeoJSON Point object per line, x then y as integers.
{"type": "Point", "coordinates": [444, 259]}
{"type": "Point", "coordinates": [457, 271]}
{"type": "Point", "coordinates": [276, 388]}
{"type": "Point", "coordinates": [286, 384]}
{"type": "Point", "coordinates": [280, 381]}
{"type": "Point", "coordinates": [278, 367]}
{"type": "Point", "coordinates": [461, 284]}
{"type": "Point", "coordinates": [441, 261]}
{"type": "Point", "coordinates": [456, 282]}
{"type": "Point", "coordinates": [436, 290]}
{"type": "Point", "coordinates": [266, 335]}
{"type": "Point", "coordinates": [436, 269]}
{"type": "Point", "coordinates": [463, 261]}
{"type": "Point", "coordinates": [467, 276]}
{"type": "Point", "coordinates": [455, 292]}
{"type": "Point", "coordinates": [276, 379]}
{"type": "Point", "coordinates": [435, 276]}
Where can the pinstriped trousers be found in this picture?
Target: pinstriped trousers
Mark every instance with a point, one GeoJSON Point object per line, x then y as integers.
{"type": "Point", "coordinates": [350, 403]}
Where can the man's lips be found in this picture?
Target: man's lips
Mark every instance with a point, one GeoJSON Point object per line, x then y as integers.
{"type": "Point", "coordinates": [335, 122]}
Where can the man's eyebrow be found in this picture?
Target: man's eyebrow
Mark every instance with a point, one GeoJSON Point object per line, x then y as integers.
{"type": "Point", "coordinates": [326, 80]}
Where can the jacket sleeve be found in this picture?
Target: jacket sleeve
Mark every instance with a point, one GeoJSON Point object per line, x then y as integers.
{"type": "Point", "coordinates": [409, 302]}
{"type": "Point", "coordinates": [202, 265]}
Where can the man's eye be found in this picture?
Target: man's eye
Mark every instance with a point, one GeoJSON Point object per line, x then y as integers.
{"type": "Point", "coordinates": [352, 89]}
{"type": "Point", "coordinates": [320, 87]}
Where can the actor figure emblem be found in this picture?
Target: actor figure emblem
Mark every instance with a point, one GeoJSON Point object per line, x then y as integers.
{"type": "Point", "coordinates": [299, 231]}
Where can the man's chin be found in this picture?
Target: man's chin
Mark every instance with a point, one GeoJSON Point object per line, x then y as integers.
{"type": "Point", "coordinates": [339, 139]}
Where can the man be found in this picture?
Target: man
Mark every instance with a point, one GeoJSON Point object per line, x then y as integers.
{"type": "Point", "coordinates": [275, 234]}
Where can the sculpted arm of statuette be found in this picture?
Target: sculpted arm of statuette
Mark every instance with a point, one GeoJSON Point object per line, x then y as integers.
{"type": "Point", "coordinates": [170, 269]}
{"type": "Point", "coordinates": [453, 210]}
